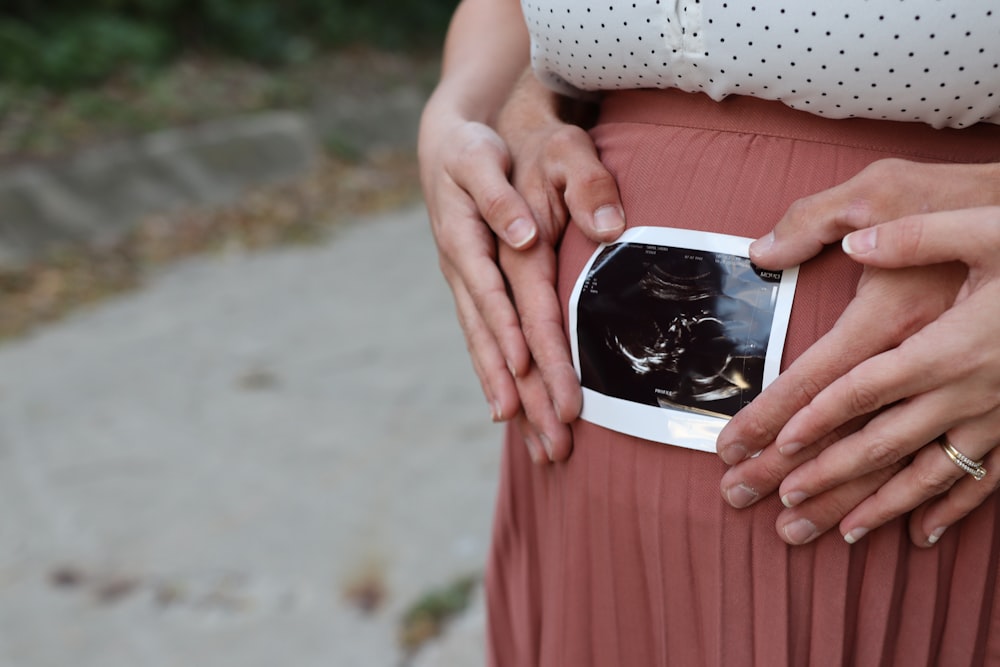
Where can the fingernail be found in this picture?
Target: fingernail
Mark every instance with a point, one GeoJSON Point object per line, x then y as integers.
{"type": "Point", "coordinates": [609, 218]}
{"type": "Point", "coordinates": [741, 495]}
{"type": "Point", "coordinates": [496, 412]}
{"type": "Point", "coordinates": [534, 450]}
{"type": "Point", "coordinates": [547, 444]}
{"type": "Point", "coordinates": [936, 535]}
{"type": "Point", "coordinates": [860, 242]}
{"type": "Point", "coordinates": [800, 531]}
{"type": "Point", "coordinates": [793, 498]}
{"type": "Point", "coordinates": [519, 232]}
{"type": "Point", "coordinates": [510, 367]}
{"type": "Point", "coordinates": [762, 244]}
{"type": "Point", "coordinates": [733, 454]}
{"type": "Point", "coordinates": [790, 448]}
{"type": "Point", "coordinates": [855, 535]}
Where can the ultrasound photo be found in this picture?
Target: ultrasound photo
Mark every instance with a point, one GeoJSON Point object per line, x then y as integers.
{"type": "Point", "coordinates": [675, 328]}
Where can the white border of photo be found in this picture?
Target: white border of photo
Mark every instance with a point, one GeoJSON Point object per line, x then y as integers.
{"type": "Point", "coordinates": [666, 425]}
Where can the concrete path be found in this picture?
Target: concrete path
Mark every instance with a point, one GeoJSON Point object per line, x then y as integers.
{"type": "Point", "coordinates": [227, 467]}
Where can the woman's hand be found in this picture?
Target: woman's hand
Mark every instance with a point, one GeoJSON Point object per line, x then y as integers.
{"type": "Point", "coordinates": [554, 166]}
{"type": "Point", "coordinates": [558, 172]}
{"type": "Point", "coordinates": [464, 167]}
{"type": "Point", "coordinates": [899, 303]}
{"type": "Point", "coordinates": [520, 354]}
{"type": "Point", "coordinates": [943, 380]}
{"type": "Point", "coordinates": [880, 318]}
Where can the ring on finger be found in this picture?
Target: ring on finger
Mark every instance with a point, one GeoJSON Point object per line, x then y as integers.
{"type": "Point", "coordinates": [974, 468]}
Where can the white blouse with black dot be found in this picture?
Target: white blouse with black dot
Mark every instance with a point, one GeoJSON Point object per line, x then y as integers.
{"type": "Point", "coordinates": [933, 61]}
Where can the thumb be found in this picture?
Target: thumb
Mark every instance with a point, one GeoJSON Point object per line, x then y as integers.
{"type": "Point", "coordinates": [968, 235]}
{"type": "Point", "coordinates": [808, 226]}
{"type": "Point", "coordinates": [591, 193]}
{"type": "Point", "coordinates": [811, 223]}
{"type": "Point", "coordinates": [481, 169]}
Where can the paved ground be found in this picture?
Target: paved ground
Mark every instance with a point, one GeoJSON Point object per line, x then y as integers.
{"type": "Point", "coordinates": [205, 471]}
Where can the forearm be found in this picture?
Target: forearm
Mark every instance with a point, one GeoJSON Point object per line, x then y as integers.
{"type": "Point", "coordinates": [486, 50]}
{"type": "Point", "coordinates": [531, 108]}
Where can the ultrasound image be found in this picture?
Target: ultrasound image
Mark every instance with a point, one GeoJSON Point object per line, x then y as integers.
{"type": "Point", "coordinates": [675, 328]}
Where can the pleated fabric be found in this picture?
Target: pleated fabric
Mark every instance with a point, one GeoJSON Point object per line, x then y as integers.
{"type": "Point", "coordinates": [627, 555]}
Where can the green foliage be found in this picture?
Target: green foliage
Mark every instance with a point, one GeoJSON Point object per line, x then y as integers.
{"type": "Point", "coordinates": [79, 50]}
{"type": "Point", "coordinates": [385, 23]}
{"type": "Point", "coordinates": [426, 618]}
{"type": "Point", "coordinates": [68, 43]}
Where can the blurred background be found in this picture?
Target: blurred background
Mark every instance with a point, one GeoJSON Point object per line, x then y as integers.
{"type": "Point", "coordinates": [237, 421]}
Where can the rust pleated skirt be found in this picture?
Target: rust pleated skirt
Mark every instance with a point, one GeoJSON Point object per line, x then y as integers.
{"type": "Point", "coordinates": [627, 555]}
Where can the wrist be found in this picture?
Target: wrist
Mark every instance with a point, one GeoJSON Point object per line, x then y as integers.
{"type": "Point", "coordinates": [534, 107]}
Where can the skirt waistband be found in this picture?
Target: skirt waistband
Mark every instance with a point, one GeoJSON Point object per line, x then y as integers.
{"type": "Point", "coordinates": [742, 114]}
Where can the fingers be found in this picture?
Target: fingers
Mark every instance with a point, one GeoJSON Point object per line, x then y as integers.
{"type": "Point", "coordinates": [956, 354]}
{"type": "Point", "coordinates": [480, 191]}
{"type": "Point", "coordinates": [472, 178]}
{"type": "Point", "coordinates": [930, 521]}
{"type": "Point", "coordinates": [976, 439]}
{"type": "Point", "coordinates": [887, 439]}
{"type": "Point", "coordinates": [888, 308]}
{"type": "Point", "coordinates": [893, 435]}
{"type": "Point", "coordinates": [467, 252]}
{"type": "Point", "coordinates": [560, 159]}
{"type": "Point", "coordinates": [825, 217]}
{"type": "Point", "coordinates": [590, 191]}
{"type": "Point", "coordinates": [971, 236]}
{"type": "Point", "coordinates": [759, 476]}
{"type": "Point", "coordinates": [488, 362]}
{"type": "Point", "coordinates": [532, 278]}
{"type": "Point", "coordinates": [531, 440]}
{"type": "Point", "coordinates": [913, 368]}
{"type": "Point", "coordinates": [925, 477]}
{"type": "Point", "coordinates": [482, 168]}
{"type": "Point", "coordinates": [806, 522]}
{"type": "Point", "coordinates": [931, 474]}
{"type": "Point", "coordinates": [942, 492]}
{"type": "Point", "coordinates": [883, 191]}
{"type": "Point", "coordinates": [547, 439]}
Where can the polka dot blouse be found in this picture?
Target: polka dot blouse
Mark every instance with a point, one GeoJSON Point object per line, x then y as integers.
{"type": "Point", "coordinates": [933, 61]}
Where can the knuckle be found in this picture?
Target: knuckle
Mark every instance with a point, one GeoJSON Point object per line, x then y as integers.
{"type": "Point", "coordinates": [765, 472]}
{"type": "Point", "coordinates": [472, 155]}
{"type": "Point", "coordinates": [564, 140]}
{"type": "Point", "coordinates": [487, 296]}
{"type": "Point", "coordinates": [831, 507]}
{"type": "Point", "coordinates": [449, 246]}
{"type": "Point", "coordinates": [914, 312]}
{"type": "Point", "coordinates": [593, 181]}
{"type": "Point", "coordinates": [530, 328]}
{"type": "Point", "coordinates": [479, 141]}
{"type": "Point", "coordinates": [909, 236]}
{"type": "Point", "coordinates": [534, 330]}
{"type": "Point", "coordinates": [494, 204]}
{"type": "Point", "coordinates": [883, 452]}
{"type": "Point", "coordinates": [934, 481]}
{"type": "Point", "coordinates": [756, 427]}
{"type": "Point", "coordinates": [863, 398]}
{"type": "Point", "coordinates": [770, 471]}
{"type": "Point", "coordinates": [800, 209]}
{"type": "Point", "coordinates": [806, 389]}
{"type": "Point", "coordinates": [879, 172]}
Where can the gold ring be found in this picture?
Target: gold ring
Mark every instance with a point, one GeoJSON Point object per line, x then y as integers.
{"type": "Point", "coordinates": [974, 468]}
